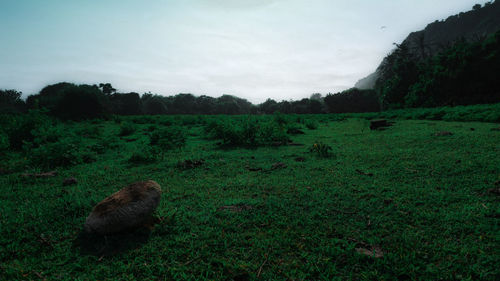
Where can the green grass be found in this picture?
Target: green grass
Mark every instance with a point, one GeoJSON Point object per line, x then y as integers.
{"type": "Point", "coordinates": [422, 199]}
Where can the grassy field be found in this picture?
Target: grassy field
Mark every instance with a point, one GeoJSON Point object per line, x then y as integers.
{"type": "Point", "coordinates": [397, 204]}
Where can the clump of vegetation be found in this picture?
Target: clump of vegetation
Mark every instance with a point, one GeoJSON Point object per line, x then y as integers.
{"type": "Point", "coordinates": [248, 132]}
{"type": "Point", "coordinates": [4, 141]}
{"type": "Point", "coordinates": [20, 128]}
{"type": "Point", "coordinates": [64, 153]}
{"type": "Point", "coordinates": [168, 138]}
{"type": "Point", "coordinates": [321, 149]}
{"type": "Point", "coordinates": [126, 129]}
{"type": "Point", "coordinates": [280, 118]}
{"type": "Point", "coordinates": [151, 128]}
{"type": "Point", "coordinates": [145, 156]}
{"type": "Point", "coordinates": [143, 119]}
{"type": "Point", "coordinates": [311, 124]}
{"type": "Point", "coordinates": [90, 131]}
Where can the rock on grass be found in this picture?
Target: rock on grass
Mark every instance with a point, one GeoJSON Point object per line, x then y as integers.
{"type": "Point", "coordinates": [129, 208]}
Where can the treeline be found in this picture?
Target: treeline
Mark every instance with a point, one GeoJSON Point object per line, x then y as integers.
{"type": "Point", "coordinates": [75, 102]}
{"type": "Point", "coordinates": [463, 74]}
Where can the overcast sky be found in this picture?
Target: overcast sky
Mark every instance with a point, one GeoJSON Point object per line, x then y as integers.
{"type": "Point", "coordinates": [254, 49]}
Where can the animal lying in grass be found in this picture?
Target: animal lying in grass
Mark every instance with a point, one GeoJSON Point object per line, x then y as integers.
{"type": "Point", "coordinates": [129, 208]}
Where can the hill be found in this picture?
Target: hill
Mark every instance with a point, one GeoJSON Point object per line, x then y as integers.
{"type": "Point", "coordinates": [472, 26]}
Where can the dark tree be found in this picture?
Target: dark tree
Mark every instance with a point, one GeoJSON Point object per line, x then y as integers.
{"type": "Point", "coordinates": [107, 89]}
{"type": "Point", "coordinates": [48, 97]}
{"type": "Point", "coordinates": [269, 106]}
{"type": "Point", "coordinates": [353, 100]}
{"type": "Point", "coordinates": [81, 102]}
{"type": "Point", "coordinates": [206, 105]}
{"type": "Point", "coordinates": [153, 105]}
{"type": "Point", "coordinates": [126, 104]}
{"type": "Point", "coordinates": [398, 72]}
{"type": "Point", "coordinates": [11, 102]}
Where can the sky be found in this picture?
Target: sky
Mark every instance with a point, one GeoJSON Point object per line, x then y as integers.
{"type": "Point", "coordinates": [253, 49]}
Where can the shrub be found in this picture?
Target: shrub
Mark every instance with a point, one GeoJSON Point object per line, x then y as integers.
{"type": "Point", "coordinates": [151, 128]}
{"type": "Point", "coordinates": [98, 148]}
{"type": "Point", "coordinates": [117, 119]}
{"type": "Point", "coordinates": [247, 132]}
{"type": "Point", "coordinates": [44, 135]}
{"type": "Point", "coordinates": [311, 124]}
{"type": "Point", "coordinates": [141, 158]}
{"type": "Point", "coordinates": [271, 132]}
{"type": "Point", "coordinates": [168, 138]}
{"type": "Point", "coordinates": [20, 128]}
{"type": "Point", "coordinates": [280, 118]}
{"type": "Point", "coordinates": [4, 141]}
{"type": "Point", "coordinates": [321, 149]}
{"type": "Point", "coordinates": [126, 129]}
{"type": "Point", "coordinates": [88, 157]}
{"type": "Point", "coordinates": [60, 154]}
{"type": "Point", "coordinates": [294, 129]}
{"type": "Point", "coordinates": [90, 131]}
{"type": "Point", "coordinates": [143, 119]}
{"type": "Point", "coordinates": [226, 131]}
{"type": "Point", "coordinates": [189, 120]}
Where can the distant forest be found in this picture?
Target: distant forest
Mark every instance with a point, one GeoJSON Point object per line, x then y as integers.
{"type": "Point", "coordinates": [462, 74]}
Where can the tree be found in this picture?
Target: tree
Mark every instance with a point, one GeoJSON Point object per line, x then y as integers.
{"type": "Point", "coordinates": [11, 102]}
{"type": "Point", "coordinates": [153, 105]}
{"type": "Point", "coordinates": [352, 100]}
{"type": "Point", "coordinates": [106, 88]}
{"type": "Point", "coordinates": [205, 105]}
{"type": "Point", "coordinates": [397, 73]}
{"type": "Point", "coordinates": [269, 106]}
{"type": "Point", "coordinates": [49, 96]}
{"type": "Point", "coordinates": [126, 104]}
{"type": "Point", "coordinates": [81, 102]}
{"type": "Point", "coordinates": [316, 96]}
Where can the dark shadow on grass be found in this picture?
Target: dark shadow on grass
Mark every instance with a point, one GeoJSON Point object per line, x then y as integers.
{"type": "Point", "coordinates": [110, 245]}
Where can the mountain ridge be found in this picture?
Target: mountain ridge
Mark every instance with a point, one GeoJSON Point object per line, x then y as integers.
{"type": "Point", "coordinates": [472, 25]}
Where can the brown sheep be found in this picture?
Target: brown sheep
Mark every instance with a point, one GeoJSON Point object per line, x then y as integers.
{"type": "Point", "coordinates": [129, 208]}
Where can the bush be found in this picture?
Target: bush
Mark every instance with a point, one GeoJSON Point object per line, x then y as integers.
{"type": "Point", "coordinates": [143, 119]}
{"type": "Point", "coordinates": [20, 128]}
{"type": "Point", "coordinates": [311, 124]}
{"type": "Point", "coordinates": [168, 138]}
{"type": "Point", "coordinates": [151, 128]}
{"type": "Point", "coordinates": [271, 132]}
{"type": "Point", "coordinates": [321, 149]}
{"type": "Point", "coordinates": [60, 154]}
{"type": "Point", "coordinates": [247, 132]}
{"type": "Point", "coordinates": [126, 129]}
{"type": "Point", "coordinates": [44, 135]}
{"type": "Point", "coordinates": [144, 156]}
{"type": "Point", "coordinates": [280, 118]}
{"type": "Point", "coordinates": [4, 141]}
{"type": "Point", "coordinates": [90, 131]}
{"type": "Point", "coordinates": [98, 148]}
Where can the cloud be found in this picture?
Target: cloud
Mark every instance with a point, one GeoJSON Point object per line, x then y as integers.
{"type": "Point", "coordinates": [237, 4]}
